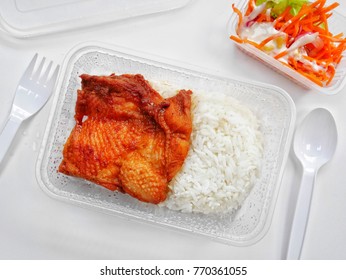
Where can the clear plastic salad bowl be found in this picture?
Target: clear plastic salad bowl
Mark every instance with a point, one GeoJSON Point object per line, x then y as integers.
{"type": "Point", "coordinates": [336, 24]}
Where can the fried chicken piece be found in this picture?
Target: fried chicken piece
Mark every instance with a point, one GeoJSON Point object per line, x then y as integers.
{"type": "Point", "coordinates": [127, 137]}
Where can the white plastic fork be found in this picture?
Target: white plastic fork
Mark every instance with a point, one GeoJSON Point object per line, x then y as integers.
{"type": "Point", "coordinates": [32, 93]}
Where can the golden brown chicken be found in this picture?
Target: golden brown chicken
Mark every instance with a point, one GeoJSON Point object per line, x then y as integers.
{"type": "Point", "coordinates": [127, 137]}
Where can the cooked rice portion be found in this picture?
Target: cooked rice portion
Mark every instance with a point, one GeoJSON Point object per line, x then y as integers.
{"type": "Point", "coordinates": [224, 160]}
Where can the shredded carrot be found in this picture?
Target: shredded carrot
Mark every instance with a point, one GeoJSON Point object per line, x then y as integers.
{"type": "Point", "coordinates": [252, 43]}
{"type": "Point", "coordinates": [283, 15]}
{"type": "Point", "coordinates": [279, 55]}
{"type": "Point", "coordinates": [329, 8]}
{"type": "Point", "coordinates": [323, 55]}
{"type": "Point", "coordinates": [236, 39]}
{"type": "Point", "coordinates": [310, 77]}
{"type": "Point", "coordinates": [240, 20]}
{"type": "Point", "coordinates": [268, 39]}
{"type": "Point", "coordinates": [262, 18]}
{"type": "Point", "coordinates": [250, 7]}
{"type": "Point", "coordinates": [333, 38]}
{"type": "Point", "coordinates": [332, 73]}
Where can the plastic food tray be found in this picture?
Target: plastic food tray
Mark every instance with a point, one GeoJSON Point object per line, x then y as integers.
{"type": "Point", "coordinates": [272, 105]}
{"type": "Point", "coordinates": [336, 24]}
{"type": "Point", "coordinates": [23, 18]}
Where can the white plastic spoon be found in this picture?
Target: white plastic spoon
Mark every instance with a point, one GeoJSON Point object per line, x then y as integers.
{"type": "Point", "coordinates": [314, 145]}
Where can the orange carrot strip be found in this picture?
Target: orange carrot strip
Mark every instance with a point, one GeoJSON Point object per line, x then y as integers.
{"type": "Point", "coordinates": [337, 52]}
{"type": "Point", "coordinates": [279, 55]}
{"type": "Point", "coordinates": [240, 20]}
{"type": "Point", "coordinates": [322, 3]}
{"type": "Point", "coordinates": [309, 20]}
{"type": "Point", "coordinates": [321, 54]}
{"type": "Point", "coordinates": [318, 61]}
{"type": "Point", "coordinates": [332, 74]}
{"type": "Point", "coordinates": [250, 7]}
{"type": "Point", "coordinates": [339, 35]}
{"type": "Point", "coordinates": [268, 39]}
{"type": "Point", "coordinates": [295, 30]}
{"type": "Point", "coordinates": [282, 16]}
{"type": "Point", "coordinates": [319, 3]}
{"type": "Point", "coordinates": [333, 39]}
{"type": "Point", "coordinates": [330, 7]}
{"type": "Point", "coordinates": [236, 39]}
{"type": "Point", "coordinates": [310, 77]}
{"type": "Point", "coordinates": [252, 43]}
{"type": "Point", "coordinates": [262, 18]}
{"type": "Point", "coordinates": [325, 24]}
{"type": "Point", "coordinates": [293, 62]}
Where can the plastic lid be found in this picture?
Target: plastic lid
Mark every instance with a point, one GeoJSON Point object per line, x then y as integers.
{"type": "Point", "coordinates": [23, 18]}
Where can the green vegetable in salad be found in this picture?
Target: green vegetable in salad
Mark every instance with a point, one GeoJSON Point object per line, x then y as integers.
{"type": "Point", "coordinates": [279, 6]}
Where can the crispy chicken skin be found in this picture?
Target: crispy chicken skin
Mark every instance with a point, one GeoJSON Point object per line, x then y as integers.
{"type": "Point", "coordinates": [127, 137]}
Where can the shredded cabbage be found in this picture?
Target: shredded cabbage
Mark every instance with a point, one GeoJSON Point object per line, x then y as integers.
{"type": "Point", "coordinates": [279, 6]}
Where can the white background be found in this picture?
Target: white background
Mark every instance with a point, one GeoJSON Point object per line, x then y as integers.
{"type": "Point", "coordinates": [35, 226]}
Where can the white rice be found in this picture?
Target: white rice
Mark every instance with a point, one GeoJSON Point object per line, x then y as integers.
{"type": "Point", "coordinates": [225, 155]}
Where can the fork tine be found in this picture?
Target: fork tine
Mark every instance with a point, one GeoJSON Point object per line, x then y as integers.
{"type": "Point", "coordinates": [31, 66]}
{"type": "Point", "coordinates": [44, 77]}
{"type": "Point", "coordinates": [37, 73]}
{"type": "Point", "coordinates": [52, 79]}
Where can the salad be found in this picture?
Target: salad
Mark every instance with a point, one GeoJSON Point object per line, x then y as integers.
{"type": "Point", "coordinates": [296, 33]}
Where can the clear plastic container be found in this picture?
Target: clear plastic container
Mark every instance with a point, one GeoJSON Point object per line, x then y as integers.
{"type": "Point", "coordinates": [23, 18]}
{"type": "Point", "coordinates": [336, 24]}
{"type": "Point", "coordinates": [273, 106]}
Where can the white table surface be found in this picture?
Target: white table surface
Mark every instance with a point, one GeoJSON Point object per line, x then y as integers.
{"type": "Point", "coordinates": [36, 226]}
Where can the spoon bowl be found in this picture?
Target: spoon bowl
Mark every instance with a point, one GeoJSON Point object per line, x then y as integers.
{"type": "Point", "coordinates": [314, 144]}
{"type": "Point", "coordinates": [315, 139]}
